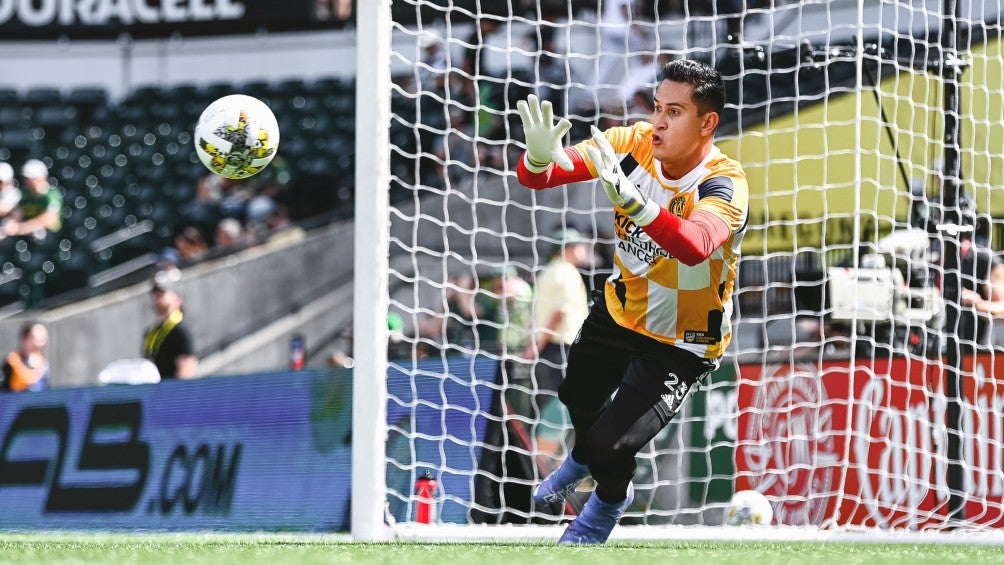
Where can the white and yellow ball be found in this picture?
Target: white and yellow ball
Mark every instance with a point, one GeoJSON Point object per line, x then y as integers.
{"type": "Point", "coordinates": [236, 136]}
{"type": "Point", "coordinates": [749, 507]}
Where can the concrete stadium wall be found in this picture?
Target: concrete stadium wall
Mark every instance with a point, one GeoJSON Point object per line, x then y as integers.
{"type": "Point", "coordinates": [318, 323]}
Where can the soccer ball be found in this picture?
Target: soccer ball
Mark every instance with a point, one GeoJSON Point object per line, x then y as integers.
{"type": "Point", "coordinates": [236, 136]}
{"type": "Point", "coordinates": [749, 507]}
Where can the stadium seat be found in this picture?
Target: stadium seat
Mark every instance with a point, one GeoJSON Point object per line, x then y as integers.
{"type": "Point", "coordinates": [131, 115]}
{"type": "Point", "coordinates": [256, 88]}
{"type": "Point", "coordinates": [340, 104]}
{"type": "Point", "coordinates": [147, 94]}
{"type": "Point", "coordinates": [106, 115]}
{"type": "Point", "coordinates": [91, 104]}
{"type": "Point", "coordinates": [55, 117]}
{"type": "Point", "coordinates": [42, 96]}
{"type": "Point", "coordinates": [87, 97]}
{"type": "Point", "coordinates": [9, 97]}
{"type": "Point", "coordinates": [14, 117]}
{"type": "Point", "coordinates": [171, 110]}
{"type": "Point", "coordinates": [21, 140]}
{"type": "Point", "coordinates": [182, 93]}
{"type": "Point", "coordinates": [216, 90]}
{"type": "Point", "coordinates": [290, 88]}
{"type": "Point", "coordinates": [332, 85]}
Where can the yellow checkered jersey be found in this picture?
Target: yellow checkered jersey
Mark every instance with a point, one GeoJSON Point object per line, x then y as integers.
{"type": "Point", "coordinates": [652, 292]}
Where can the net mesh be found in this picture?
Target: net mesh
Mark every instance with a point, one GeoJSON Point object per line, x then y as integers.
{"type": "Point", "coordinates": [832, 398]}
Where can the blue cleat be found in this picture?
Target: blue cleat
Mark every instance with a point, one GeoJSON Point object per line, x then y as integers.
{"type": "Point", "coordinates": [597, 520]}
{"type": "Point", "coordinates": [561, 483]}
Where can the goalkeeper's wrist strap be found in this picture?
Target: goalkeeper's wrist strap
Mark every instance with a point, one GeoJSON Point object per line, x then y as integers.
{"type": "Point", "coordinates": [643, 213]}
{"type": "Point", "coordinates": [533, 166]}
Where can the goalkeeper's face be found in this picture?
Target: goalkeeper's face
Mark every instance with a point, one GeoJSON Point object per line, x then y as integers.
{"type": "Point", "coordinates": [680, 133]}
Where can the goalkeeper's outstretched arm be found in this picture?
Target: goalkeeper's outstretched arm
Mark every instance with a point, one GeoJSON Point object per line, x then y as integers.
{"type": "Point", "coordinates": [554, 175]}
{"type": "Point", "coordinates": [547, 164]}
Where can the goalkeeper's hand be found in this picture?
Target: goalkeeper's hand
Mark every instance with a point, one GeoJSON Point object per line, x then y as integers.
{"type": "Point", "coordinates": [543, 136]}
{"type": "Point", "coordinates": [621, 191]}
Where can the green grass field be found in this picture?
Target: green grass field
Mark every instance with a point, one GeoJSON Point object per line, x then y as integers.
{"type": "Point", "coordinates": [267, 548]}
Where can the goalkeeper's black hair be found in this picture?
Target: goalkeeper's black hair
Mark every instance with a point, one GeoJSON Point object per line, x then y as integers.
{"type": "Point", "coordinates": [709, 88]}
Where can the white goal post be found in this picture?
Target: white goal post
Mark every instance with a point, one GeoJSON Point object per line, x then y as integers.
{"type": "Point", "coordinates": [369, 392]}
{"type": "Point", "coordinates": [853, 394]}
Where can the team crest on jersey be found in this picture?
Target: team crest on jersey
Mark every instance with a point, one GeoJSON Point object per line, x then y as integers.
{"type": "Point", "coordinates": [678, 206]}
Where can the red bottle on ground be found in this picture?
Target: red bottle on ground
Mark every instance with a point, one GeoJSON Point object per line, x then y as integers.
{"type": "Point", "coordinates": [426, 489]}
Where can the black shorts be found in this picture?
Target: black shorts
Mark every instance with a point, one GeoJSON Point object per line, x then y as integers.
{"type": "Point", "coordinates": [606, 356]}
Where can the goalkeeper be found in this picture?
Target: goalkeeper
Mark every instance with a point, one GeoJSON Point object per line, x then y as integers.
{"type": "Point", "coordinates": [662, 322]}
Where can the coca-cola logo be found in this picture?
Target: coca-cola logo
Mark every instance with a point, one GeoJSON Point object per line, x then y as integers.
{"type": "Point", "coordinates": [895, 474]}
{"type": "Point", "coordinates": [791, 448]}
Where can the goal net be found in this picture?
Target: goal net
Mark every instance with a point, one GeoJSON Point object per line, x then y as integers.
{"type": "Point", "coordinates": [859, 389]}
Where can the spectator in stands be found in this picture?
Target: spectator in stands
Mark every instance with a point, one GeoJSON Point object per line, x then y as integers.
{"type": "Point", "coordinates": [204, 209]}
{"type": "Point", "coordinates": [643, 76]}
{"type": "Point", "coordinates": [168, 343]}
{"type": "Point", "coordinates": [561, 305]}
{"type": "Point", "coordinates": [10, 195]}
{"type": "Point", "coordinates": [504, 313]}
{"type": "Point", "coordinates": [552, 71]}
{"type": "Point", "coordinates": [398, 346]}
{"type": "Point", "coordinates": [640, 106]}
{"type": "Point", "coordinates": [461, 311]}
{"type": "Point", "coordinates": [269, 193]}
{"type": "Point", "coordinates": [732, 12]}
{"type": "Point", "coordinates": [515, 299]}
{"type": "Point", "coordinates": [455, 149]}
{"type": "Point", "coordinates": [191, 244]}
{"type": "Point", "coordinates": [475, 84]}
{"type": "Point", "coordinates": [341, 354]}
{"type": "Point", "coordinates": [169, 258]}
{"type": "Point", "coordinates": [454, 327]}
{"type": "Point", "coordinates": [258, 209]}
{"type": "Point", "coordinates": [40, 206]}
{"type": "Point", "coordinates": [229, 234]}
{"type": "Point", "coordinates": [430, 75]}
{"type": "Point", "coordinates": [338, 10]}
{"type": "Point", "coordinates": [473, 59]}
{"type": "Point", "coordinates": [218, 197]}
{"type": "Point", "coordinates": [236, 195]}
{"type": "Point", "coordinates": [27, 369]}
{"type": "Point", "coordinates": [280, 229]}
{"type": "Point", "coordinates": [982, 292]}
{"type": "Point", "coordinates": [618, 40]}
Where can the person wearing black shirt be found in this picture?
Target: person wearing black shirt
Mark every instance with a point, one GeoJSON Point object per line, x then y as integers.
{"type": "Point", "coordinates": [982, 295]}
{"type": "Point", "coordinates": [168, 343]}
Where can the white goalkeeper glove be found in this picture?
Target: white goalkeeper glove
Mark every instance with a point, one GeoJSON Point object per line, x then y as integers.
{"type": "Point", "coordinates": [621, 191]}
{"type": "Point", "coordinates": [543, 136]}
